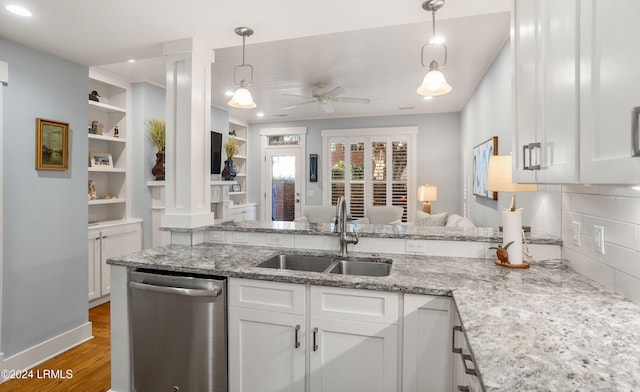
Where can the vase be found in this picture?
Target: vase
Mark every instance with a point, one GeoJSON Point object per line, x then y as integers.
{"type": "Point", "coordinates": [158, 168]}
{"type": "Point", "coordinates": [229, 172]}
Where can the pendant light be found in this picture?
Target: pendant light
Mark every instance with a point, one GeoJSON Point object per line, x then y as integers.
{"type": "Point", "coordinates": [434, 82]}
{"type": "Point", "coordinates": [242, 98]}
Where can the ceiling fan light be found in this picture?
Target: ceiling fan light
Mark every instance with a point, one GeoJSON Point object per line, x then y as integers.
{"type": "Point", "coordinates": [242, 99]}
{"type": "Point", "coordinates": [434, 82]}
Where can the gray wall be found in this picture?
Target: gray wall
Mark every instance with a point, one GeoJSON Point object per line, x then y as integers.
{"type": "Point", "coordinates": [148, 103]}
{"type": "Point", "coordinates": [45, 212]}
{"type": "Point", "coordinates": [489, 113]}
{"type": "Point", "coordinates": [438, 162]}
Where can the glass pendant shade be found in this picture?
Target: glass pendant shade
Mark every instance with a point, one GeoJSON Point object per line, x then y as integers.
{"type": "Point", "coordinates": [434, 82]}
{"type": "Point", "coordinates": [242, 99]}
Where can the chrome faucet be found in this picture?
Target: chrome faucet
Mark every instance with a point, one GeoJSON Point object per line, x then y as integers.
{"type": "Point", "coordinates": [341, 227]}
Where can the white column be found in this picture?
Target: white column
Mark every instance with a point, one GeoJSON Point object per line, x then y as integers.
{"type": "Point", "coordinates": [188, 118]}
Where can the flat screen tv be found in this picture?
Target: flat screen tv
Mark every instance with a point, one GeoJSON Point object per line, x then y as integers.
{"type": "Point", "coordinates": [216, 152]}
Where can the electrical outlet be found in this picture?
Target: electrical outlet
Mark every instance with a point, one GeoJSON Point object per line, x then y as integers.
{"type": "Point", "coordinates": [274, 239]}
{"type": "Point", "coordinates": [576, 232]}
{"type": "Point", "coordinates": [415, 246]}
{"type": "Point", "coordinates": [598, 238]}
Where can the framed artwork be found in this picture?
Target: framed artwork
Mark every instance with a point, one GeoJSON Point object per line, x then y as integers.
{"type": "Point", "coordinates": [235, 188]}
{"type": "Point", "coordinates": [481, 154]}
{"type": "Point", "coordinates": [52, 145]}
{"type": "Point", "coordinates": [101, 160]}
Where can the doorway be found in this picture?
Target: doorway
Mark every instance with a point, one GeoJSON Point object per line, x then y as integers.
{"type": "Point", "coordinates": [283, 169]}
{"type": "Point", "coordinates": [285, 183]}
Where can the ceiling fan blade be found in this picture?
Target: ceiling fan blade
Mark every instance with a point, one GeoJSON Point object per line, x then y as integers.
{"type": "Point", "coordinates": [298, 96]}
{"type": "Point", "coordinates": [334, 92]}
{"type": "Point", "coordinates": [299, 104]}
{"type": "Point", "coordinates": [352, 100]}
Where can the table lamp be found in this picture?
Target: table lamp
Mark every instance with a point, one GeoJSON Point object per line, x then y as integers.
{"type": "Point", "coordinates": [427, 193]}
{"type": "Point", "coordinates": [499, 179]}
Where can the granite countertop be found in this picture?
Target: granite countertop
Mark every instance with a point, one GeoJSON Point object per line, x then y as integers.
{"type": "Point", "coordinates": [404, 231]}
{"type": "Point", "coordinates": [539, 329]}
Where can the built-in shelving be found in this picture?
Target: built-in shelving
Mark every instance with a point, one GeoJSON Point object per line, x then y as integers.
{"type": "Point", "coordinates": [240, 162]}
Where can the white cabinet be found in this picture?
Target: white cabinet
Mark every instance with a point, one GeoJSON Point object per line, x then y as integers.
{"type": "Point", "coordinates": [242, 212]}
{"type": "Point", "coordinates": [107, 242]}
{"type": "Point", "coordinates": [427, 356]}
{"type": "Point", "coordinates": [464, 376]}
{"type": "Point", "coordinates": [266, 336]}
{"type": "Point", "coordinates": [610, 94]}
{"type": "Point", "coordinates": [354, 340]}
{"type": "Point", "coordinates": [351, 340]}
{"type": "Point", "coordinates": [546, 79]}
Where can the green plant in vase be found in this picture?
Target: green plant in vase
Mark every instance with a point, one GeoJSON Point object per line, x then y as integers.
{"type": "Point", "coordinates": [231, 148]}
{"type": "Point", "coordinates": [158, 135]}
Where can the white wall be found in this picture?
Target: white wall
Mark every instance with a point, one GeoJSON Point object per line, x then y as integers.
{"type": "Point", "coordinates": [439, 160]}
{"type": "Point", "coordinates": [617, 209]}
{"type": "Point", "coordinates": [45, 281]}
{"type": "Point", "coordinates": [148, 103]}
{"type": "Point", "coordinates": [489, 113]}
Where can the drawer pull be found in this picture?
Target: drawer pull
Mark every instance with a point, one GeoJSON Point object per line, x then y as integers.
{"type": "Point", "coordinates": [468, 370]}
{"type": "Point", "coordinates": [635, 132]}
{"type": "Point", "coordinates": [463, 388]}
{"type": "Point", "coordinates": [315, 339]}
{"type": "Point", "coordinates": [297, 336]}
{"type": "Point", "coordinates": [454, 349]}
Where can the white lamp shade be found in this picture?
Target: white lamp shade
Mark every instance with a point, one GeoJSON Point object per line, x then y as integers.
{"type": "Point", "coordinates": [427, 193]}
{"type": "Point", "coordinates": [499, 177]}
{"type": "Point", "coordinates": [434, 84]}
{"type": "Point", "coordinates": [242, 99]}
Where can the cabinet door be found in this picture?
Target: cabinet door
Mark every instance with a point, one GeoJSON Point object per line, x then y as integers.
{"type": "Point", "coordinates": [545, 55]}
{"type": "Point", "coordinates": [116, 242]}
{"type": "Point", "coordinates": [609, 91]}
{"type": "Point", "coordinates": [349, 356]}
{"type": "Point", "coordinates": [523, 52]}
{"type": "Point", "coordinates": [94, 265]}
{"type": "Point", "coordinates": [266, 351]}
{"type": "Point", "coordinates": [428, 360]}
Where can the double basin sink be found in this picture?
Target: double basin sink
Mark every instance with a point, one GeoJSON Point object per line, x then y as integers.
{"type": "Point", "coordinates": [362, 266]}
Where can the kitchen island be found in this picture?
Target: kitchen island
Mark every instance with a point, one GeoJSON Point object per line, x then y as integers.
{"type": "Point", "coordinates": [528, 330]}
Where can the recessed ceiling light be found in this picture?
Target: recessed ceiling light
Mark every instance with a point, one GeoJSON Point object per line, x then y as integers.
{"type": "Point", "coordinates": [428, 98]}
{"type": "Point", "coordinates": [260, 114]}
{"type": "Point", "coordinates": [437, 40]}
{"type": "Point", "coordinates": [18, 10]}
{"type": "Point", "coordinates": [636, 188]}
{"type": "Point", "coordinates": [132, 61]}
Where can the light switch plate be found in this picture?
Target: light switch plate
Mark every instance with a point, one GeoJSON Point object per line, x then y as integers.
{"type": "Point", "coordinates": [598, 237]}
{"type": "Point", "coordinates": [576, 232]}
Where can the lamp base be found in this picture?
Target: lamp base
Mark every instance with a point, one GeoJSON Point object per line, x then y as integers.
{"type": "Point", "coordinates": [527, 229]}
{"type": "Point", "coordinates": [426, 207]}
{"type": "Point", "coordinates": [523, 265]}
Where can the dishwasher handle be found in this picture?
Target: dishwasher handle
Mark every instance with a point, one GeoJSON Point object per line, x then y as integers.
{"type": "Point", "coordinates": [214, 292]}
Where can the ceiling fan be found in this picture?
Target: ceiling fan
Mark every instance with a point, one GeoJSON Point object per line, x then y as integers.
{"type": "Point", "coordinates": [325, 99]}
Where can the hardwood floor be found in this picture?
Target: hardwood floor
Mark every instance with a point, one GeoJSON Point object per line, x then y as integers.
{"type": "Point", "coordinates": [90, 363]}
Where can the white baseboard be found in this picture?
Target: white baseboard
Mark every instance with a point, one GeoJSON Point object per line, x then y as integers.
{"type": "Point", "coordinates": [46, 350]}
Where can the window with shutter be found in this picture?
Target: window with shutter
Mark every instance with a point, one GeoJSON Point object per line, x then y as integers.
{"type": "Point", "coordinates": [370, 168]}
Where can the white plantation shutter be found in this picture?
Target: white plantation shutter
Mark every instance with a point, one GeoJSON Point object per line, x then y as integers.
{"type": "Point", "coordinates": [370, 169]}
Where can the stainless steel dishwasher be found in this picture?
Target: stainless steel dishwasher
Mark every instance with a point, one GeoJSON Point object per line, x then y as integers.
{"type": "Point", "coordinates": [179, 332]}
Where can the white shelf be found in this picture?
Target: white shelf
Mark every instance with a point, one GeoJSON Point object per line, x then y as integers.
{"type": "Point", "coordinates": [107, 170]}
{"type": "Point", "coordinates": [107, 138]}
{"type": "Point", "coordinates": [240, 139]}
{"type": "Point", "coordinates": [237, 193]}
{"type": "Point", "coordinates": [105, 201]}
{"type": "Point", "coordinates": [103, 107]}
{"type": "Point", "coordinates": [240, 175]}
{"type": "Point", "coordinates": [239, 157]}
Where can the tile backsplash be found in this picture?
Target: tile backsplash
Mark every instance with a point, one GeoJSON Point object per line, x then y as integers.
{"type": "Point", "coordinates": [617, 210]}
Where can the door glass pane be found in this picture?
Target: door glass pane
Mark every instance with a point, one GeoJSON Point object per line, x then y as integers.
{"type": "Point", "coordinates": [379, 173]}
{"type": "Point", "coordinates": [284, 140]}
{"type": "Point", "coordinates": [283, 187]}
{"type": "Point", "coordinates": [399, 184]}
